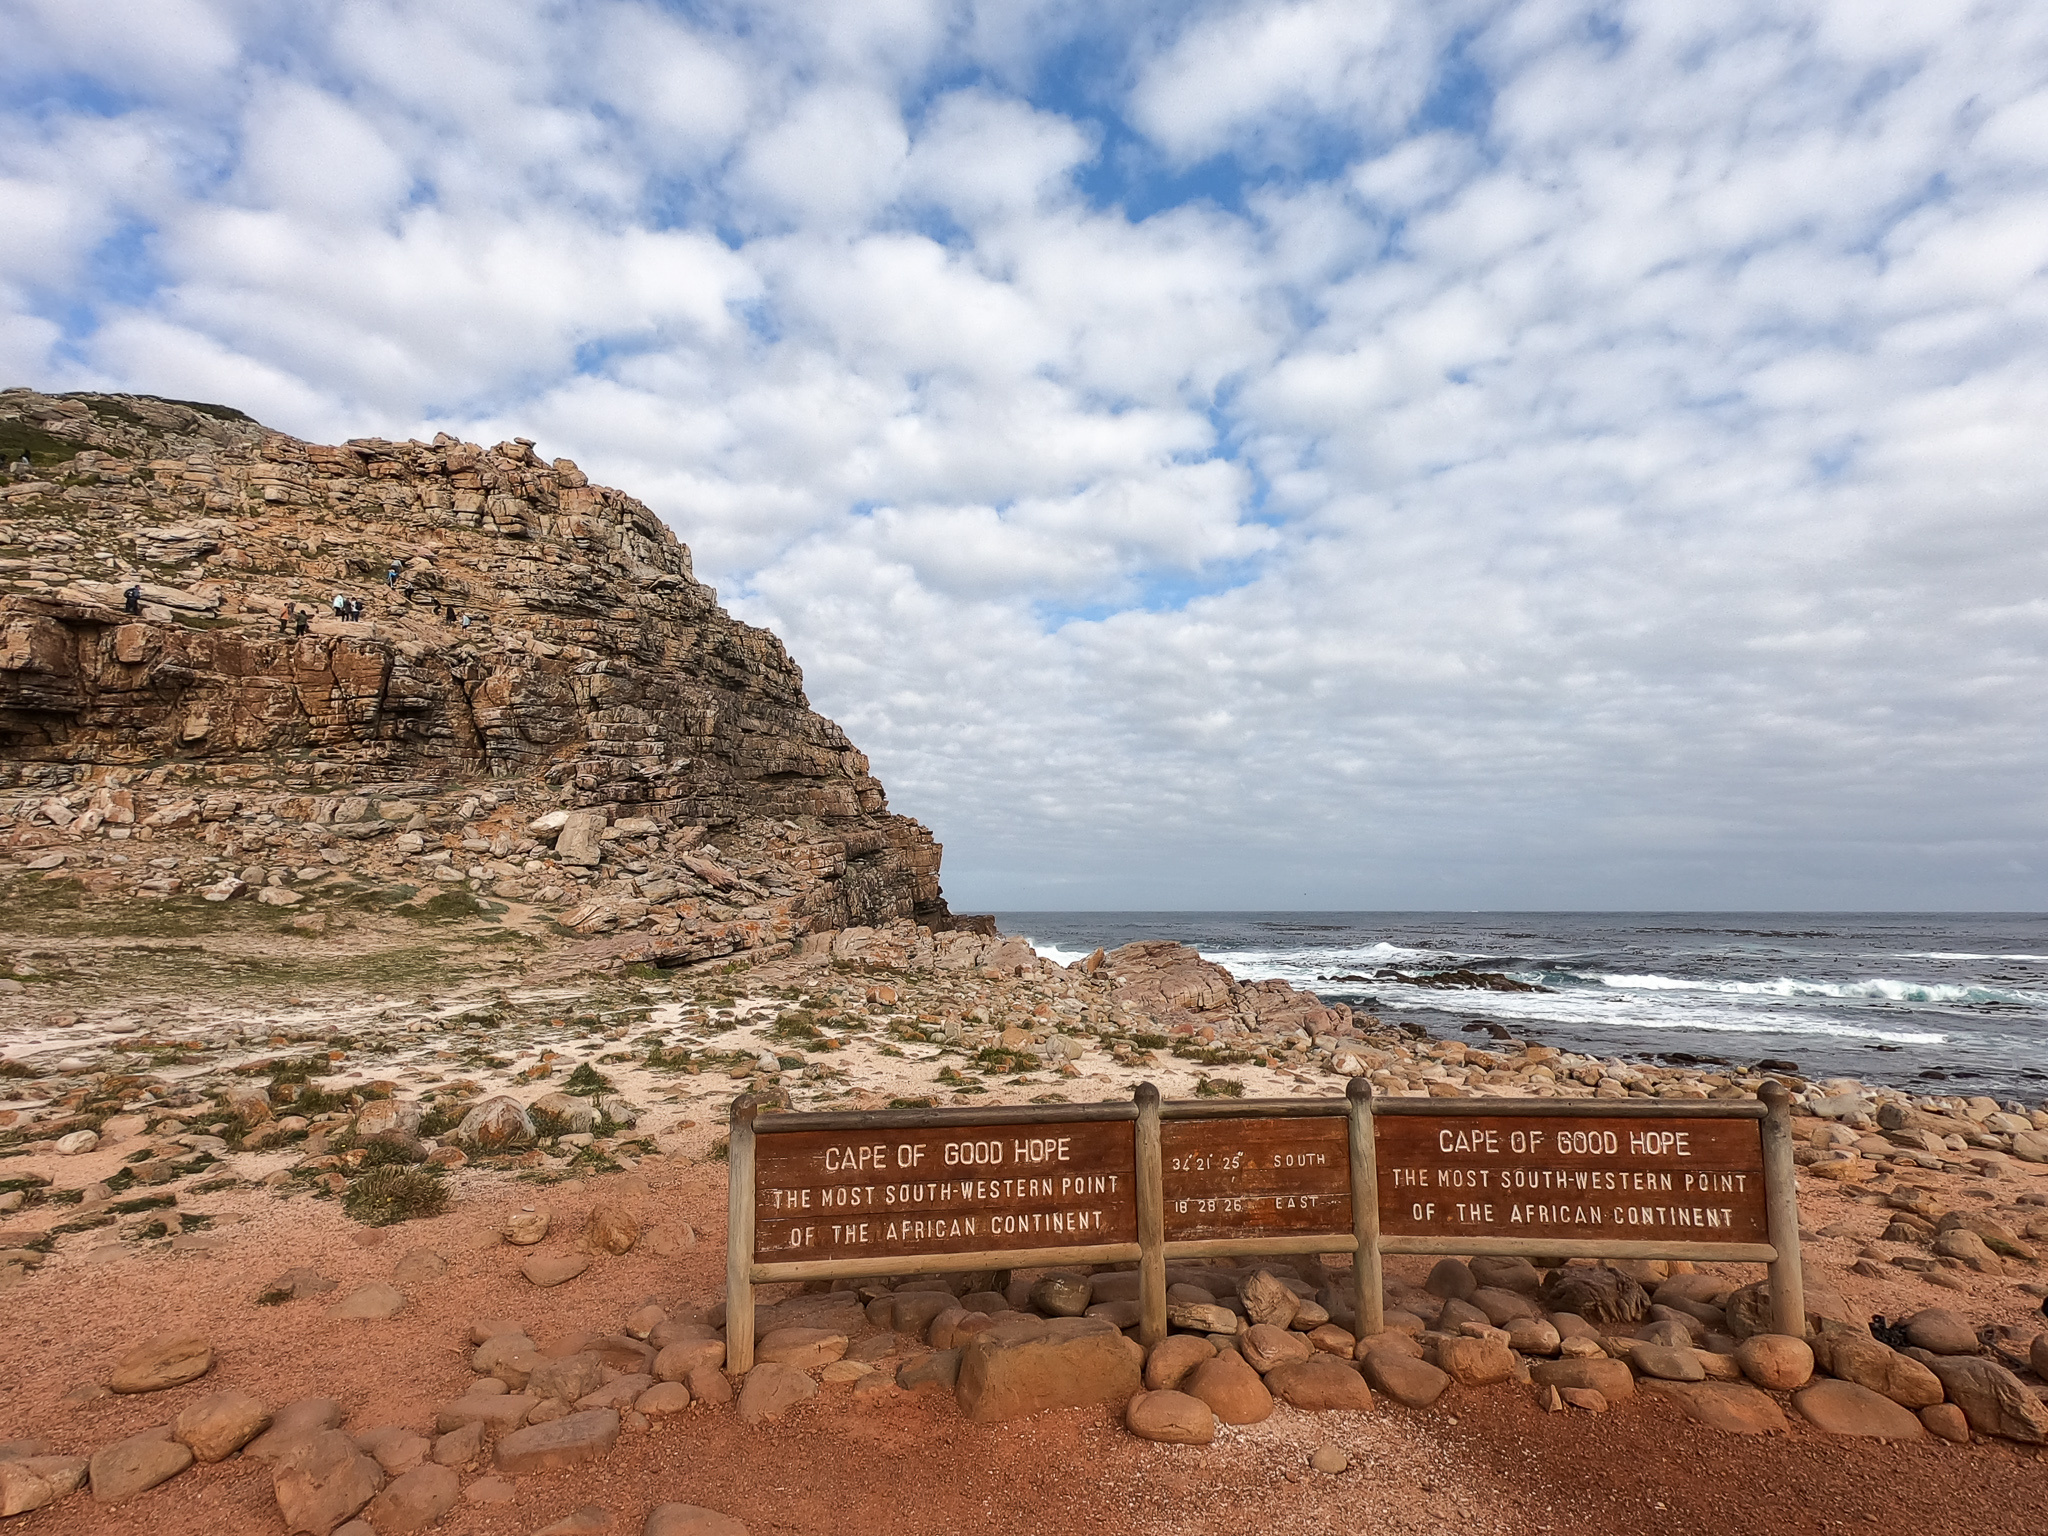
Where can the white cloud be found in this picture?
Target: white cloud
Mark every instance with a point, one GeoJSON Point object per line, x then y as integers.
{"type": "Point", "coordinates": [1621, 485]}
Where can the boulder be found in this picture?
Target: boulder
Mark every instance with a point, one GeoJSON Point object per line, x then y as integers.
{"type": "Point", "coordinates": [168, 1360]}
{"type": "Point", "coordinates": [30, 1482]}
{"type": "Point", "coordinates": [1267, 1300]}
{"type": "Point", "coordinates": [498, 1412]}
{"type": "Point", "coordinates": [383, 1115]}
{"type": "Point", "coordinates": [1412, 1382]}
{"type": "Point", "coordinates": [676, 1361]}
{"type": "Point", "coordinates": [1843, 1408]}
{"type": "Point", "coordinates": [322, 1481]}
{"type": "Point", "coordinates": [771, 1390]}
{"type": "Point", "coordinates": [548, 1270]}
{"type": "Point", "coordinates": [1265, 1346]}
{"type": "Point", "coordinates": [939, 1368]}
{"type": "Point", "coordinates": [1945, 1421]}
{"type": "Point", "coordinates": [1451, 1279]}
{"type": "Point", "coordinates": [496, 1125]}
{"type": "Point", "coordinates": [565, 1442]}
{"type": "Point", "coordinates": [1748, 1310]}
{"type": "Point", "coordinates": [1877, 1366]}
{"type": "Point", "coordinates": [526, 1227]}
{"type": "Point", "coordinates": [1063, 1294]}
{"type": "Point", "coordinates": [459, 1447]}
{"type": "Point", "coordinates": [415, 1501]}
{"type": "Point", "coordinates": [1202, 1317]}
{"type": "Point", "coordinates": [804, 1348]}
{"type": "Point", "coordinates": [1666, 1362]}
{"type": "Point", "coordinates": [709, 1385]}
{"type": "Point", "coordinates": [1173, 1418]}
{"type": "Point", "coordinates": [1533, 1336]}
{"type": "Point", "coordinates": [396, 1449]}
{"type": "Point", "coordinates": [135, 1465]}
{"type": "Point", "coordinates": [1940, 1332]}
{"type": "Point", "coordinates": [690, 1520]}
{"type": "Point", "coordinates": [1320, 1385]}
{"type": "Point", "coordinates": [580, 839]}
{"type": "Point", "coordinates": [1733, 1407]}
{"type": "Point", "coordinates": [1775, 1361]}
{"type": "Point", "coordinates": [1026, 1364]}
{"type": "Point", "coordinates": [1596, 1293]}
{"type": "Point", "coordinates": [1503, 1306]}
{"type": "Point", "coordinates": [1612, 1379]}
{"type": "Point", "coordinates": [612, 1228]}
{"type": "Point", "coordinates": [1173, 1357]}
{"type": "Point", "coordinates": [291, 1424]}
{"type": "Point", "coordinates": [1232, 1389]}
{"type": "Point", "coordinates": [1992, 1398]}
{"type": "Point", "coordinates": [664, 1397]}
{"type": "Point", "coordinates": [215, 1427]}
{"type": "Point", "coordinates": [1506, 1274]}
{"type": "Point", "coordinates": [567, 1377]}
{"type": "Point", "coordinates": [1475, 1362]}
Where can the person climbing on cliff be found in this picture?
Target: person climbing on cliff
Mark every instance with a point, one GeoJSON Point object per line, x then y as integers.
{"type": "Point", "coordinates": [131, 600]}
{"type": "Point", "coordinates": [284, 620]}
{"type": "Point", "coordinates": [356, 605]}
{"type": "Point", "coordinates": [340, 606]}
{"type": "Point", "coordinates": [304, 621]}
{"type": "Point", "coordinates": [391, 576]}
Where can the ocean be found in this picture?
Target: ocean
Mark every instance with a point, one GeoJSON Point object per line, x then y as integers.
{"type": "Point", "coordinates": [1935, 1003]}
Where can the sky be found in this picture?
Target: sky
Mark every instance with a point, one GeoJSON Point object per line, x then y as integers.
{"type": "Point", "coordinates": [1290, 455]}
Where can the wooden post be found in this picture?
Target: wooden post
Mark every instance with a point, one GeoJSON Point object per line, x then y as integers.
{"type": "Point", "coordinates": [739, 1237]}
{"type": "Point", "coordinates": [1151, 1192]}
{"type": "Point", "coordinates": [1366, 1278]}
{"type": "Point", "coordinates": [1781, 1197]}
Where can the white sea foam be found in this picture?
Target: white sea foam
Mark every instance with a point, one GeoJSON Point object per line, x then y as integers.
{"type": "Point", "coordinates": [1878, 988]}
{"type": "Point", "coordinates": [1057, 955]}
{"type": "Point", "coordinates": [1943, 954]}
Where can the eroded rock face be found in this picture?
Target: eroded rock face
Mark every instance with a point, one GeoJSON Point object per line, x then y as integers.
{"type": "Point", "coordinates": [520, 623]}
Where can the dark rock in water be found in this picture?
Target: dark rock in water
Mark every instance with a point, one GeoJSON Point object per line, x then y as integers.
{"type": "Point", "coordinates": [1599, 1295]}
{"type": "Point", "coordinates": [1462, 980]}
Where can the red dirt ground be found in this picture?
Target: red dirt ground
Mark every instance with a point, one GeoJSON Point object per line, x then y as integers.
{"type": "Point", "coordinates": [1484, 1463]}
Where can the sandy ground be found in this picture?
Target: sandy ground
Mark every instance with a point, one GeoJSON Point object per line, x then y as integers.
{"type": "Point", "coordinates": [1483, 1461]}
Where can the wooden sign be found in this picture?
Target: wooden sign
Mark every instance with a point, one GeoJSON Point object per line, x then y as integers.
{"type": "Point", "coordinates": [1571, 1177]}
{"type": "Point", "coordinates": [845, 1194]}
{"type": "Point", "coordinates": [830, 1195]}
{"type": "Point", "coordinates": [1255, 1178]}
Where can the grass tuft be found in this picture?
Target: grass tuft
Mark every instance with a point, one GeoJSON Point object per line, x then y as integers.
{"type": "Point", "coordinates": [386, 1196]}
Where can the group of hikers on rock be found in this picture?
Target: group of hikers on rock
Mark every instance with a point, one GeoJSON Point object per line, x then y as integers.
{"type": "Point", "coordinates": [298, 620]}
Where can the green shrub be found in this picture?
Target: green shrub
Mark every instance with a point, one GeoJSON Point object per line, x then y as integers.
{"type": "Point", "coordinates": [385, 1196]}
{"type": "Point", "coordinates": [1219, 1088]}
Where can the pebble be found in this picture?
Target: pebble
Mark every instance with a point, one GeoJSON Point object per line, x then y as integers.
{"type": "Point", "coordinates": [370, 1303]}
{"type": "Point", "coordinates": [1327, 1458]}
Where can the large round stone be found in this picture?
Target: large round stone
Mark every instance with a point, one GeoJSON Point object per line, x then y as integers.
{"type": "Point", "coordinates": [1231, 1388]}
{"type": "Point", "coordinates": [1843, 1408]}
{"type": "Point", "coordinates": [1777, 1362]}
{"type": "Point", "coordinates": [1173, 1357]}
{"type": "Point", "coordinates": [1173, 1418]}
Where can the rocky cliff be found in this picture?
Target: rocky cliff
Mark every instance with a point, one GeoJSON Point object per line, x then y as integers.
{"type": "Point", "coordinates": [535, 666]}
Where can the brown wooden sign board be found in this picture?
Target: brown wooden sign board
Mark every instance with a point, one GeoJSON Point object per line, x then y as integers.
{"type": "Point", "coordinates": [1571, 1177]}
{"type": "Point", "coordinates": [905, 1192]}
{"type": "Point", "coordinates": [846, 1194]}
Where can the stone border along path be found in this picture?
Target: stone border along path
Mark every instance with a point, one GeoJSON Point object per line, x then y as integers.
{"type": "Point", "coordinates": [1245, 1338]}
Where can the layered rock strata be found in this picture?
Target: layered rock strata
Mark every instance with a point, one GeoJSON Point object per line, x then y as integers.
{"type": "Point", "coordinates": [528, 643]}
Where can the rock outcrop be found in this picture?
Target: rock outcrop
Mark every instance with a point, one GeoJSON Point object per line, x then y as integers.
{"type": "Point", "coordinates": [532, 647]}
